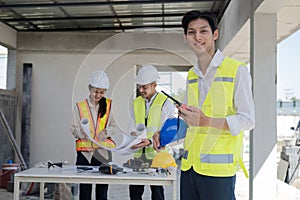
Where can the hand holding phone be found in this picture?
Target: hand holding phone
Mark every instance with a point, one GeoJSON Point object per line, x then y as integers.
{"type": "Point", "coordinates": [184, 106]}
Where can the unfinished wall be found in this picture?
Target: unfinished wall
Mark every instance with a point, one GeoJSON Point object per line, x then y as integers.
{"type": "Point", "coordinates": [61, 65]}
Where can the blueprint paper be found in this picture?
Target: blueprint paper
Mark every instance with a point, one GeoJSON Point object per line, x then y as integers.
{"type": "Point", "coordinates": [123, 141]}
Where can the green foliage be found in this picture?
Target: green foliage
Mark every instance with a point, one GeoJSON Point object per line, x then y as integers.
{"type": "Point", "coordinates": [294, 99]}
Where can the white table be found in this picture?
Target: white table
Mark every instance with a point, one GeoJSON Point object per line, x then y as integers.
{"type": "Point", "coordinates": [69, 174]}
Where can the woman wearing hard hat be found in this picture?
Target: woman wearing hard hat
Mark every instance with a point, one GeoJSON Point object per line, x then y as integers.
{"type": "Point", "coordinates": [96, 108]}
{"type": "Point", "coordinates": [150, 109]}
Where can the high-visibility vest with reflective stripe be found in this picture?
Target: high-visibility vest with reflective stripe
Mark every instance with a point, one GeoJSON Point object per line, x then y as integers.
{"type": "Point", "coordinates": [211, 151]}
{"type": "Point", "coordinates": [85, 112]}
{"type": "Point", "coordinates": [153, 120]}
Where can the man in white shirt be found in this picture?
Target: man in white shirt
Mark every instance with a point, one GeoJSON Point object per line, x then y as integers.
{"type": "Point", "coordinates": [219, 108]}
{"type": "Point", "coordinates": [151, 109]}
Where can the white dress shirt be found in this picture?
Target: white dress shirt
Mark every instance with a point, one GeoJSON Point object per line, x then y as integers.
{"type": "Point", "coordinates": [244, 119]}
{"type": "Point", "coordinates": [168, 110]}
{"type": "Point", "coordinates": [77, 131]}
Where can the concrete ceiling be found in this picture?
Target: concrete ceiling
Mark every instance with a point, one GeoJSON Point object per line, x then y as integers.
{"type": "Point", "coordinates": [101, 15]}
{"type": "Point", "coordinates": [288, 22]}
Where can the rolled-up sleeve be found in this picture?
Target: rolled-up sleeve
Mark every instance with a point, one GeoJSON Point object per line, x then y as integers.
{"type": "Point", "coordinates": [244, 119]}
{"type": "Point", "coordinates": [168, 111]}
{"type": "Point", "coordinates": [75, 127]}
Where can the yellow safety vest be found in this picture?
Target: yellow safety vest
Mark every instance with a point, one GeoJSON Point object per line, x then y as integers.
{"type": "Point", "coordinates": [153, 120]}
{"type": "Point", "coordinates": [85, 112]}
{"type": "Point", "coordinates": [211, 151]}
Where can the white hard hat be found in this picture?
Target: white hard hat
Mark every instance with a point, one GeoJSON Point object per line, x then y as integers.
{"type": "Point", "coordinates": [147, 74]}
{"type": "Point", "coordinates": [99, 79]}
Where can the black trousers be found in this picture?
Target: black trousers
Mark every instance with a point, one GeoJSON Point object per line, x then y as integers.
{"type": "Point", "coordinates": [85, 190]}
{"type": "Point", "coordinates": [136, 192]}
{"type": "Point", "coordinates": [194, 186]}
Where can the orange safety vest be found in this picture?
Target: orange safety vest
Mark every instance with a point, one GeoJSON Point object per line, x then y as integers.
{"type": "Point", "coordinates": [85, 112]}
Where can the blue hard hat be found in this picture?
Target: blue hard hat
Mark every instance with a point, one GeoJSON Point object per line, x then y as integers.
{"type": "Point", "coordinates": [172, 130]}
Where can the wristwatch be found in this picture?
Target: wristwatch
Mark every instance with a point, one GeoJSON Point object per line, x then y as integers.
{"type": "Point", "coordinates": [150, 142]}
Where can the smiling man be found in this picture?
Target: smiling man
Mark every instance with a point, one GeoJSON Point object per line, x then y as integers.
{"type": "Point", "coordinates": [220, 107]}
{"type": "Point", "coordinates": [151, 109]}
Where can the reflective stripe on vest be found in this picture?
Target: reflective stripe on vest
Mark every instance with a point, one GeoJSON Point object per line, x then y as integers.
{"type": "Point", "coordinates": [211, 151]}
{"type": "Point", "coordinates": [153, 120]}
{"type": "Point", "coordinates": [85, 112]}
{"type": "Point", "coordinates": [216, 158]}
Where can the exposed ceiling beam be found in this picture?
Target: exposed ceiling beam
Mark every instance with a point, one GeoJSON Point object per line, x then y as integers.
{"type": "Point", "coordinates": [103, 28]}
{"type": "Point", "coordinates": [116, 15]}
{"type": "Point", "coordinates": [83, 22]}
{"type": "Point", "coordinates": [65, 13]}
{"type": "Point", "coordinates": [221, 12]}
{"type": "Point", "coordinates": [73, 4]}
{"type": "Point", "coordinates": [93, 17]}
{"type": "Point", "coordinates": [19, 15]}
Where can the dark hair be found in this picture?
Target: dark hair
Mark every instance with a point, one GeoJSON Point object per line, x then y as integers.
{"type": "Point", "coordinates": [196, 14]}
{"type": "Point", "coordinates": [102, 104]}
{"type": "Point", "coordinates": [102, 107]}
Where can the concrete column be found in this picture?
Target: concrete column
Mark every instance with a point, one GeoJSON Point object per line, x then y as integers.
{"type": "Point", "coordinates": [291, 155]}
{"type": "Point", "coordinates": [11, 69]}
{"type": "Point", "coordinates": [263, 169]}
{"type": "Point", "coordinates": [8, 36]}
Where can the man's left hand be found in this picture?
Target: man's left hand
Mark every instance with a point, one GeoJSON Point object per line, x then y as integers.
{"type": "Point", "coordinates": [194, 116]}
{"type": "Point", "coordinates": [145, 142]}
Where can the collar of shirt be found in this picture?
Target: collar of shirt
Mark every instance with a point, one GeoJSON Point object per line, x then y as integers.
{"type": "Point", "coordinates": [148, 103]}
{"type": "Point", "coordinates": [214, 63]}
{"type": "Point", "coordinates": [91, 105]}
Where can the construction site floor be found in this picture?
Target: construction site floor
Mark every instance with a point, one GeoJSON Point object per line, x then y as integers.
{"type": "Point", "coordinates": [121, 192]}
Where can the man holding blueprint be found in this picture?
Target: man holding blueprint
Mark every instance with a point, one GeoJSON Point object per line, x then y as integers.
{"type": "Point", "coordinates": [151, 109]}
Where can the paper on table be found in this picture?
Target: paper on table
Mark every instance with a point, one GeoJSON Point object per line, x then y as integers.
{"type": "Point", "coordinates": [130, 140]}
{"type": "Point", "coordinates": [125, 150]}
{"type": "Point", "coordinates": [86, 129]}
{"type": "Point", "coordinates": [123, 141]}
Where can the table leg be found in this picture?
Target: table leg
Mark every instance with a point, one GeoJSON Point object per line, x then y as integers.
{"type": "Point", "coordinates": [16, 189]}
{"type": "Point", "coordinates": [42, 184]}
{"type": "Point", "coordinates": [174, 190]}
{"type": "Point", "coordinates": [93, 191]}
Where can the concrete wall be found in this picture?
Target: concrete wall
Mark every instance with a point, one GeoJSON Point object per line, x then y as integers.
{"type": "Point", "coordinates": [8, 36]}
{"type": "Point", "coordinates": [61, 65]}
{"type": "Point", "coordinates": [235, 16]}
{"type": "Point", "coordinates": [62, 62]}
